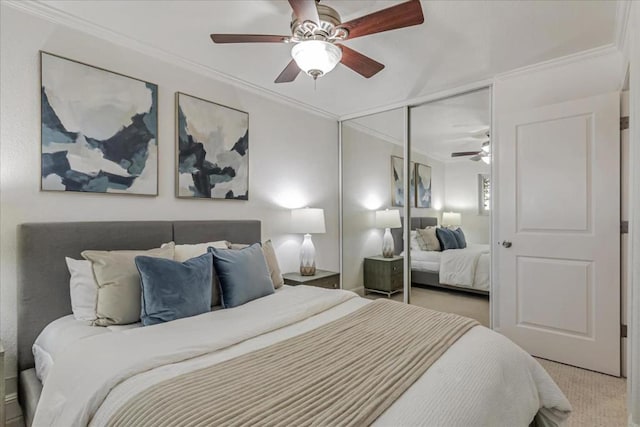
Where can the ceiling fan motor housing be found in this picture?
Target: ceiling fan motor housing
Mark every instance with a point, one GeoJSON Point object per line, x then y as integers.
{"type": "Point", "coordinates": [327, 30]}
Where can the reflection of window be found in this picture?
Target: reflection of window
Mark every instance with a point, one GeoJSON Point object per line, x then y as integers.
{"type": "Point", "coordinates": [484, 193]}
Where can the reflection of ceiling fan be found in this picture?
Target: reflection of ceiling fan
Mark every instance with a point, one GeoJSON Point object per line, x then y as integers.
{"type": "Point", "coordinates": [483, 154]}
{"type": "Point", "coordinates": [317, 30]}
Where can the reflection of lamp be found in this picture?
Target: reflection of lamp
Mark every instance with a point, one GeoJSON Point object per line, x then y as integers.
{"type": "Point", "coordinates": [316, 57]}
{"type": "Point", "coordinates": [388, 219]}
{"type": "Point", "coordinates": [451, 219]}
{"type": "Point", "coordinates": [307, 221]}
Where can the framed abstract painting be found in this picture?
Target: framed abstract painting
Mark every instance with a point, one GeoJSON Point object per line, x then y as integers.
{"type": "Point", "coordinates": [423, 186]}
{"type": "Point", "coordinates": [212, 150]}
{"type": "Point", "coordinates": [98, 129]}
{"type": "Point", "coordinates": [397, 184]}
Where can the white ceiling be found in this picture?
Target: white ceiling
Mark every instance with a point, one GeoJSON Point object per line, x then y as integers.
{"type": "Point", "coordinates": [460, 42]}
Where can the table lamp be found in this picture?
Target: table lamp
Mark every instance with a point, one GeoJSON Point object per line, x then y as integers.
{"type": "Point", "coordinates": [451, 219]}
{"type": "Point", "coordinates": [388, 219]}
{"type": "Point", "coordinates": [307, 221]}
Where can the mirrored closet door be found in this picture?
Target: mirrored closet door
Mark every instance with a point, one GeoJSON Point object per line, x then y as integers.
{"type": "Point", "coordinates": [372, 198]}
{"type": "Point", "coordinates": [450, 223]}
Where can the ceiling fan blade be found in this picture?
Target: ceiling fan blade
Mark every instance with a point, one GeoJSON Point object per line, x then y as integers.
{"type": "Point", "coordinates": [305, 10]}
{"type": "Point", "coordinates": [249, 38]}
{"type": "Point", "coordinates": [289, 73]}
{"type": "Point", "coordinates": [360, 63]}
{"type": "Point", "coordinates": [465, 153]}
{"type": "Point", "coordinates": [399, 16]}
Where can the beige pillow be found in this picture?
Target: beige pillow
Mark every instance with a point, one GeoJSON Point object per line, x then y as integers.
{"type": "Point", "coordinates": [430, 239]}
{"type": "Point", "coordinates": [185, 252]}
{"type": "Point", "coordinates": [272, 261]}
{"type": "Point", "coordinates": [119, 283]}
{"type": "Point", "coordinates": [272, 264]}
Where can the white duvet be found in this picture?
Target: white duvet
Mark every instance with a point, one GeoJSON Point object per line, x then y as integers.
{"type": "Point", "coordinates": [463, 267]}
{"type": "Point", "coordinates": [482, 380]}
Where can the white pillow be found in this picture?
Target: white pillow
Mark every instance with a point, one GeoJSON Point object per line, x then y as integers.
{"type": "Point", "coordinates": [185, 252]}
{"type": "Point", "coordinates": [83, 288]}
{"type": "Point", "coordinates": [416, 242]}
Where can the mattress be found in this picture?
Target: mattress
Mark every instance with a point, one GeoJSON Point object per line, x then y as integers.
{"type": "Point", "coordinates": [496, 381]}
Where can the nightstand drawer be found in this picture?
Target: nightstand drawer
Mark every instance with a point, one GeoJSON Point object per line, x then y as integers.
{"type": "Point", "coordinates": [322, 279]}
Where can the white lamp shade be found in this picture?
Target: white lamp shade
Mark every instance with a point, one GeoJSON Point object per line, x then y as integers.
{"type": "Point", "coordinates": [451, 218]}
{"type": "Point", "coordinates": [388, 219]}
{"type": "Point", "coordinates": [308, 220]}
{"type": "Point", "coordinates": [316, 56]}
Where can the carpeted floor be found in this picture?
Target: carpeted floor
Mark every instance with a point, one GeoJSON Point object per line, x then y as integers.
{"type": "Point", "coordinates": [462, 303]}
{"type": "Point", "coordinates": [598, 400]}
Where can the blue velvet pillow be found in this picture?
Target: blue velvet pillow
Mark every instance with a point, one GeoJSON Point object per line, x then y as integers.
{"type": "Point", "coordinates": [243, 274]}
{"type": "Point", "coordinates": [172, 290]}
{"type": "Point", "coordinates": [459, 235]}
{"type": "Point", "coordinates": [447, 239]}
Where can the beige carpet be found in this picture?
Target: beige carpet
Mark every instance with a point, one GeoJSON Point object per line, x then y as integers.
{"type": "Point", "coordinates": [464, 304]}
{"type": "Point", "coordinates": [598, 400]}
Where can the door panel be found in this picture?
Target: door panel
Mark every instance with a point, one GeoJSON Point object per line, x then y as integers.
{"type": "Point", "coordinates": [560, 207]}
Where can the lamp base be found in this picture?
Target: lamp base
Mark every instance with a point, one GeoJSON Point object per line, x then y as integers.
{"type": "Point", "coordinates": [388, 247]}
{"type": "Point", "coordinates": [307, 257]}
{"type": "Point", "coordinates": [308, 271]}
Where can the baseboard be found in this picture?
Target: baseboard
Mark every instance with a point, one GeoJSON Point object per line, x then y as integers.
{"type": "Point", "coordinates": [12, 410]}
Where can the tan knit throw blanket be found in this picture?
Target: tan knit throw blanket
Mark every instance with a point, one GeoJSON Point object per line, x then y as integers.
{"type": "Point", "coordinates": [345, 373]}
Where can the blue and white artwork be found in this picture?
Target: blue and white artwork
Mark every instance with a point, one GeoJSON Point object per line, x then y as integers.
{"type": "Point", "coordinates": [397, 184]}
{"type": "Point", "coordinates": [213, 150]}
{"type": "Point", "coordinates": [99, 130]}
{"type": "Point", "coordinates": [423, 186]}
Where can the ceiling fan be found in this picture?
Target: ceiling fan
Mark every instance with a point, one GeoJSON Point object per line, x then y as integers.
{"type": "Point", "coordinates": [482, 135]}
{"type": "Point", "coordinates": [317, 32]}
{"type": "Point", "coordinates": [483, 154]}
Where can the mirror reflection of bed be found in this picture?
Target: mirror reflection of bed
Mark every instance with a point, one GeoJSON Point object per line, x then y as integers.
{"type": "Point", "coordinates": [451, 280]}
{"type": "Point", "coordinates": [450, 179]}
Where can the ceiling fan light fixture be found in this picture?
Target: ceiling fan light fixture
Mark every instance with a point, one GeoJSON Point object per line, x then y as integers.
{"type": "Point", "coordinates": [316, 57]}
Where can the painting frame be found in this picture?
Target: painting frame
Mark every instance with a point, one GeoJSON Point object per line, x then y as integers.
{"type": "Point", "coordinates": [103, 181]}
{"type": "Point", "coordinates": [423, 173]}
{"type": "Point", "coordinates": [181, 151]}
{"type": "Point", "coordinates": [397, 184]}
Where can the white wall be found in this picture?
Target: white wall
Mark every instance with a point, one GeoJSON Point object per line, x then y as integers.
{"type": "Point", "coordinates": [293, 154]}
{"type": "Point", "coordinates": [461, 195]}
{"type": "Point", "coordinates": [366, 187]}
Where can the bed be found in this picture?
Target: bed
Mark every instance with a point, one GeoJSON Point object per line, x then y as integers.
{"type": "Point", "coordinates": [460, 269]}
{"type": "Point", "coordinates": [480, 379]}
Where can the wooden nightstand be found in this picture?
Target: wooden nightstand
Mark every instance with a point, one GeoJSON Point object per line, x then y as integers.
{"type": "Point", "coordinates": [322, 279]}
{"type": "Point", "coordinates": [383, 275]}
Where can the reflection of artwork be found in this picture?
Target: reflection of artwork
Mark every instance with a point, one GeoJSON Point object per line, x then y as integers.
{"type": "Point", "coordinates": [397, 184]}
{"type": "Point", "coordinates": [213, 150]}
{"type": "Point", "coordinates": [423, 186]}
{"type": "Point", "coordinates": [484, 194]}
{"type": "Point", "coordinates": [98, 130]}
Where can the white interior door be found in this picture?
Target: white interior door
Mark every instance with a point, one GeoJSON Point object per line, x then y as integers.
{"type": "Point", "coordinates": [558, 226]}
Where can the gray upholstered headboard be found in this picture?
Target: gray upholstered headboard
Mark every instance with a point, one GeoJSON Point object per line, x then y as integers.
{"type": "Point", "coordinates": [416, 222]}
{"type": "Point", "coordinates": [43, 278]}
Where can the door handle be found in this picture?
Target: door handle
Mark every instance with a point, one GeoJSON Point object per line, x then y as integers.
{"type": "Point", "coordinates": [506, 244]}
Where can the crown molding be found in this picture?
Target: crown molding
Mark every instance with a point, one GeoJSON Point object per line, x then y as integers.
{"type": "Point", "coordinates": [422, 99]}
{"type": "Point", "coordinates": [372, 132]}
{"type": "Point", "coordinates": [597, 52]}
{"type": "Point", "coordinates": [51, 14]}
{"type": "Point", "coordinates": [621, 34]}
